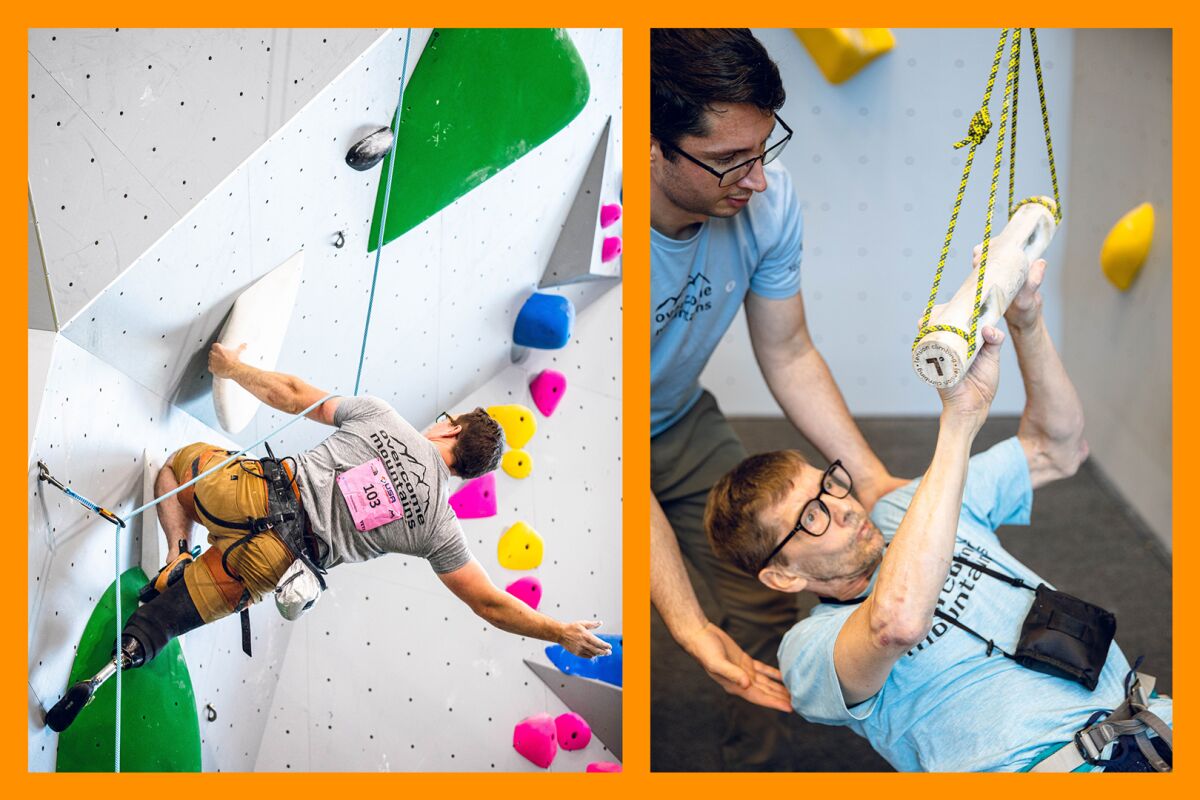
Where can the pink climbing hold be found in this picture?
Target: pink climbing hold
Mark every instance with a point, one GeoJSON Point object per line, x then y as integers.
{"type": "Point", "coordinates": [547, 389]}
{"type": "Point", "coordinates": [603, 766]}
{"type": "Point", "coordinates": [534, 738]}
{"type": "Point", "coordinates": [528, 590]}
{"type": "Point", "coordinates": [609, 213]}
{"type": "Point", "coordinates": [610, 249]}
{"type": "Point", "coordinates": [476, 498]}
{"type": "Point", "coordinates": [573, 731]}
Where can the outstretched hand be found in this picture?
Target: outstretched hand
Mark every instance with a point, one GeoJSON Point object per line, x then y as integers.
{"type": "Point", "coordinates": [222, 360]}
{"type": "Point", "coordinates": [971, 398]}
{"type": "Point", "coordinates": [577, 638]}
{"type": "Point", "coordinates": [735, 671]}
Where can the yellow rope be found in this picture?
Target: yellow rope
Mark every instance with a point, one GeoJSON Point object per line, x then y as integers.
{"type": "Point", "coordinates": [977, 130]}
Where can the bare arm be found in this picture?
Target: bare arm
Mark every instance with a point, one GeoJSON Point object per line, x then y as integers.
{"type": "Point", "coordinates": [672, 594]}
{"type": "Point", "coordinates": [899, 611]}
{"type": "Point", "coordinates": [471, 584]}
{"type": "Point", "coordinates": [282, 392]}
{"type": "Point", "coordinates": [801, 383]}
{"type": "Point", "coordinates": [1051, 429]}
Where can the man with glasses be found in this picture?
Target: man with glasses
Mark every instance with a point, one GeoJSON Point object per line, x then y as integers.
{"type": "Point", "coordinates": [374, 486]}
{"type": "Point", "coordinates": [726, 234]}
{"type": "Point", "coordinates": [919, 601]}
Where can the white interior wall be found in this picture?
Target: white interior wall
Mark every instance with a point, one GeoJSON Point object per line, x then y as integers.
{"type": "Point", "coordinates": [876, 176]}
{"type": "Point", "coordinates": [130, 128]}
{"type": "Point", "coordinates": [390, 672]}
{"type": "Point", "coordinates": [1118, 345]}
{"type": "Point", "coordinates": [447, 297]}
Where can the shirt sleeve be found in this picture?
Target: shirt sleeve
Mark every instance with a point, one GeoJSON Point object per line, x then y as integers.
{"type": "Point", "coordinates": [448, 549]}
{"type": "Point", "coordinates": [778, 226]}
{"type": "Point", "coordinates": [998, 489]}
{"type": "Point", "coordinates": [355, 408]}
{"type": "Point", "coordinates": [806, 661]}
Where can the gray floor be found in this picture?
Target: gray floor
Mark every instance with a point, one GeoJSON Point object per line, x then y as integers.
{"type": "Point", "coordinates": [1083, 538]}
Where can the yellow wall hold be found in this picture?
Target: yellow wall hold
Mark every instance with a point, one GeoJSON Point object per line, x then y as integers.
{"type": "Point", "coordinates": [517, 421]}
{"type": "Point", "coordinates": [841, 52]}
{"type": "Point", "coordinates": [1126, 246]}
{"type": "Point", "coordinates": [517, 463]}
{"type": "Point", "coordinates": [520, 547]}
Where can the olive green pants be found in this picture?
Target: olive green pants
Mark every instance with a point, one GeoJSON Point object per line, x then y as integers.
{"type": "Point", "coordinates": [685, 461]}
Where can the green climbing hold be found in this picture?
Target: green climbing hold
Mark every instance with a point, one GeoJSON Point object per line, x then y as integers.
{"type": "Point", "coordinates": [479, 99]}
{"type": "Point", "coordinates": [159, 728]}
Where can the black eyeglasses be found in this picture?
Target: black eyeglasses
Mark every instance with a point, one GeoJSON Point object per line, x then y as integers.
{"type": "Point", "coordinates": [445, 414]}
{"type": "Point", "coordinates": [735, 174]}
{"type": "Point", "coordinates": [814, 517]}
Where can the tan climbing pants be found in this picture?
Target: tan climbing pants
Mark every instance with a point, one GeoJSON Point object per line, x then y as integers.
{"type": "Point", "coordinates": [235, 493]}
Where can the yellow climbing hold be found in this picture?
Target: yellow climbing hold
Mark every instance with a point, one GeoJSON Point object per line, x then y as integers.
{"type": "Point", "coordinates": [1126, 246]}
{"type": "Point", "coordinates": [520, 547]}
{"type": "Point", "coordinates": [517, 463]}
{"type": "Point", "coordinates": [517, 421]}
{"type": "Point", "coordinates": [841, 52]}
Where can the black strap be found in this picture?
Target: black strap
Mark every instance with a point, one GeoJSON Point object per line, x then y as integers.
{"type": "Point", "coordinates": [246, 631]}
{"type": "Point", "coordinates": [991, 645]}
{"type": "Point", "coordinates": [1009, 579]}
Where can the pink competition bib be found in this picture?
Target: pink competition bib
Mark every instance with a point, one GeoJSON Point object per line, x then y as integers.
{"type": "Point", "coordinates": [370, 495]}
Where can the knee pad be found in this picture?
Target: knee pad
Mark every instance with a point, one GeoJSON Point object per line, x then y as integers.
{"type": "Point", "coordinates": [172, 613]}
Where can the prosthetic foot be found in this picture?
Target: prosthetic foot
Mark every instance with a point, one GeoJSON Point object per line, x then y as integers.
{"type": "Point", "coordinates": [64, 712]}
{"type": "Point", "coordinates": [151, 626]}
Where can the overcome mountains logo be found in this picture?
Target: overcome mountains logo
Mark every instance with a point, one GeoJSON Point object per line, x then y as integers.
{"type": "Point", "coordinates": [692, 299]}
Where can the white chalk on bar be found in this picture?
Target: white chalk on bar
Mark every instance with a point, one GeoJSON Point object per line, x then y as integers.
{"type": "Point", "coordinates": [940, 358]}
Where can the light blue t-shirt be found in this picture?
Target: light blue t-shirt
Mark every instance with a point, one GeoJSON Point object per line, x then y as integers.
{"type": "Point", "coordinates": [947, 706]}
{"type": "Point", "coordinates": [698, 284]}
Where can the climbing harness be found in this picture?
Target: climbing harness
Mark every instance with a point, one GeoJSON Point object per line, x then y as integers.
{"type": "Point", "coordinates": [1131, 721]}
{"type": "Point", "coordinates": [977, 130]}
{"type": "Point", "coordinates": [285, 516]}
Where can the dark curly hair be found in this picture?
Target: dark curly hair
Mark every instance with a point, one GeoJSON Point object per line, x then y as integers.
{"type": "Point", "coordinates": [692, 68]}
{"type": "Point", "coordinates": [480, 442]}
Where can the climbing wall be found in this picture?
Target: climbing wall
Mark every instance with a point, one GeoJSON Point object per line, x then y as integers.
{"type": "Point", "coordinates": [134, 330]}
{"type": "Point", "coordinates": [1119, 344]}
{"type": "Point", "coordinates": [876, 175]}
{"type": "Point", "coordinates": [391, 672]}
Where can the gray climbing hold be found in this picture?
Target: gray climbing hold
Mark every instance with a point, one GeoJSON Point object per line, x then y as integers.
{"type": "Point", "coordinates": [371, 150]}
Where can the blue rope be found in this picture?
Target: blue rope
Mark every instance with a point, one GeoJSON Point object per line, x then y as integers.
{"type": "Point", "coordinates": [387, 192]}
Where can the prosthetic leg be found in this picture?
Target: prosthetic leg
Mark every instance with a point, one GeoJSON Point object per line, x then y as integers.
{"type": "Point", "coordinates": [169, 613]}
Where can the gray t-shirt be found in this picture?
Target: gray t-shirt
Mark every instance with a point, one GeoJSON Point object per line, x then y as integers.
{"type": "Point", "coordinates": [368, 428]}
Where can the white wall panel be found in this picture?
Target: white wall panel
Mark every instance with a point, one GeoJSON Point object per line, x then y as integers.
{"type": "Point", "coordinates": [166, 114]}
{"type": "Point", "coordinates": [876, 174]}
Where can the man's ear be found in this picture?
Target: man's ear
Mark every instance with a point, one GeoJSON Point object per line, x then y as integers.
{"type": "Point", "coordinates": [655, 150]}
{"type": "Point", "coordinates": [782, 580]}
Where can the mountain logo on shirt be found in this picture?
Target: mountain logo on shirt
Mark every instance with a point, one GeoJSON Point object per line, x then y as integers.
{"type": "Point", "coordinates": [408, 476]}
{"type": "Point", "coordinates": [692, 299]}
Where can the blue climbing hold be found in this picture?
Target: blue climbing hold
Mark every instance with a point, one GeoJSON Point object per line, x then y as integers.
{"type": "Point", "coordinates": [544, 322]}
{"type": "Point", "coordinates": [603, 668]}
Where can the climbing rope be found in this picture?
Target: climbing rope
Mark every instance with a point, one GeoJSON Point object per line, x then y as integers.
{"type": "Point", "coordinates": [977, 130]}
{"type": "Point", "coordinates": [387, 193]}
